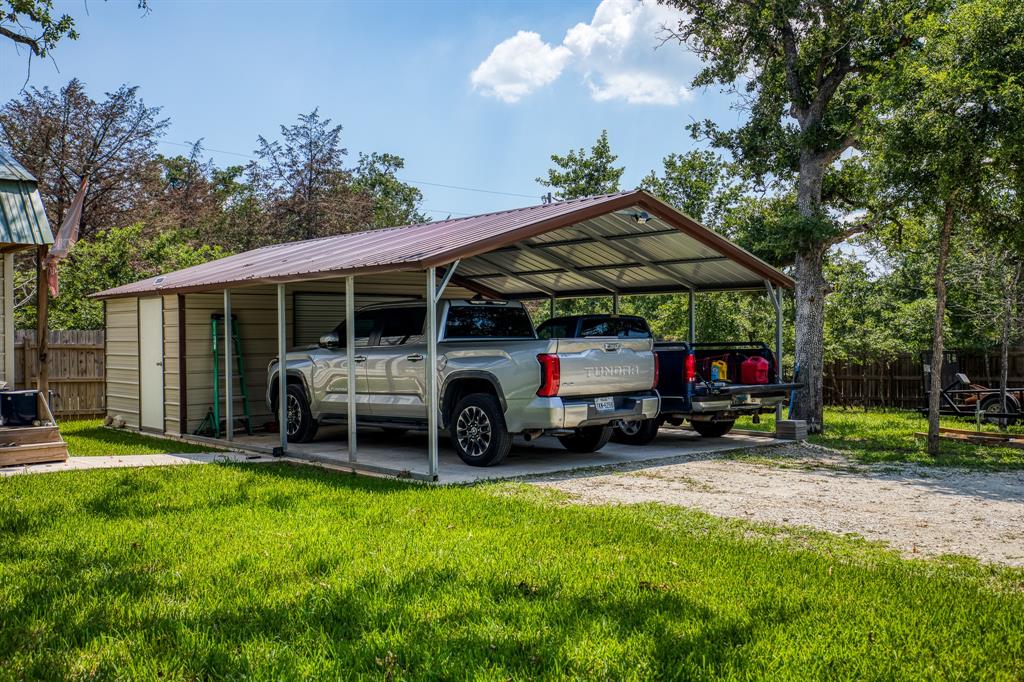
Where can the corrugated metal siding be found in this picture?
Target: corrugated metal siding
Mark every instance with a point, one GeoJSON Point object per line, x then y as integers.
{"type": "Point", "coordinates": [22, 218]}
{"type": "Point", "coordinates": [10, 169]}
{"type": "Point", "coordinates": [172, 392]}
{"type": "Point", "coordinates": [315, 314]}
{"type": "Point", "coordinates": [8, 327]}
{"type": "Point", "coordinates": [122, 359]}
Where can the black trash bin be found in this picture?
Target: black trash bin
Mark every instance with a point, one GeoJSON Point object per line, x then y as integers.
{"type": "Point", "coordinates": [19, 408]}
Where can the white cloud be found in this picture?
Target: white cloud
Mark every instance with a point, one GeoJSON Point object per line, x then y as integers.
{"type": "Point", "coordinates": [613, 54]}
{"type": "Point", "coordinates": [638, 88]}
{"type": "Point", "coordinates": [518, 66]}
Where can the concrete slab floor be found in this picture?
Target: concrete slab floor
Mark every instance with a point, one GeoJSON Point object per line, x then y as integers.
{"type": "Point", "coordinates": [408, 453]}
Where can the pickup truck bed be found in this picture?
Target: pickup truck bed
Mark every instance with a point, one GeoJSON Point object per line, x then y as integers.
{"type": "Point", "coordinates": [687, 382]}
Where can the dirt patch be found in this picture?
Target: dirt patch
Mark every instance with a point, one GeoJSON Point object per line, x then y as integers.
{"type": "Point", "coordinates": [916, 509]}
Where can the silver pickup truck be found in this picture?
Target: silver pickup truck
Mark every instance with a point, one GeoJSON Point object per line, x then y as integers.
{"type": "Point", "coordinates": [496, 379]}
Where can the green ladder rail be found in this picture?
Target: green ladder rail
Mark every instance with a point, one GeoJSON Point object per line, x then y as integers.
{"type": "Point", "coordinates": [211, 422]}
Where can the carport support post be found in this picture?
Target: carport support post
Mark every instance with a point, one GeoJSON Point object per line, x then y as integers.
{"type": "Point", "coordinates": [229, 379]}
{"type": "Point", "coordinates": [775, 293]}
{"type": "Point", "coordinates": [615, 304]}
{"type": "Point", "coordinates": [430, 372]}
{"type": "Point", "coordinates": [693, 319]}
{"type": "Point", "coordinates": [552, 307]}
{"type": "Point", "coordinates": [350, 352]}
{"type": "Point", "coordinates": [282, 380]}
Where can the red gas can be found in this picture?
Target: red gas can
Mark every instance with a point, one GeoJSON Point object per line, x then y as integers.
{"type": "Point", "coordinates": [754, 370]}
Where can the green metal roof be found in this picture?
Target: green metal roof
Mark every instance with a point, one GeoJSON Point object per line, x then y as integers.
{"type": "Point", "coordinates": [22, 218]}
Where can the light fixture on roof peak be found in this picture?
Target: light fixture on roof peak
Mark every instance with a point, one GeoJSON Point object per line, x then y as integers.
{"type": "Point", "coordinates": [641, 217]}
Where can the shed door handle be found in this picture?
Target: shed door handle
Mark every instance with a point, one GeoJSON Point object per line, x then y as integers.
{"type": "Point", "coordinates": [415, 357]}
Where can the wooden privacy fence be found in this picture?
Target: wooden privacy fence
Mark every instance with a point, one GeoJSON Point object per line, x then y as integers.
{"type": "Point", "coordinates": [76, 361]}
{"type": "Point", "coordinates": [898, 382]}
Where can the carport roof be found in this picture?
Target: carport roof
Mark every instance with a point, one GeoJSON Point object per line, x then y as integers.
{"type": "Point", "coordinates": [628, 243]}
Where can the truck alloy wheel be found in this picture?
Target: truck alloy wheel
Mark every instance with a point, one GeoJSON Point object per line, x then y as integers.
{"type": "Point", "coordinates": [301, 427]}
{"type": "Point", "coordinates": [473, 431]}
{"type": "Point", "coordinates": [478, 430]}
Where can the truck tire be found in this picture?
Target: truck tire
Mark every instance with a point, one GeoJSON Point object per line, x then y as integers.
{"type": "Point", "coordinates": [995, 405]}
{"type": "Point", "coordinates": [713, 429]}
{"type": "Point", "coordinates": [587, 439]}
{"type": "Point", "coordinates": [302, 427]}
{"type": "Point", "coordinates": [478, 430]}
{"type": "Point", "coordinates": [637, 433]}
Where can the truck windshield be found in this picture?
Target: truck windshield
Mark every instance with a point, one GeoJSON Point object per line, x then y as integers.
{"type": "Point", "coordinates": [622, 327]}
{"type": "Point", "coordinates": [482, 321]}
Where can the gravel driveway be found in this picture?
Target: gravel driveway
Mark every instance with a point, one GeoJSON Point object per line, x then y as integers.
{"type": "Point", "coordinates": [917, 510]}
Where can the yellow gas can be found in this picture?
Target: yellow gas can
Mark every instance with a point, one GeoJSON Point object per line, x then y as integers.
{"type": "Point", "coordinates": [720, 370]}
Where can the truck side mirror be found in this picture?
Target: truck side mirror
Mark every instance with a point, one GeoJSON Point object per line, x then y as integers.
{"type": "Point", "coordinates": [330, 340]}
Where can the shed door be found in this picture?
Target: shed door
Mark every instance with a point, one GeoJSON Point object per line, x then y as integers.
{"type": "Point", "coordinates": [151, 366]}
{"type": "Point", "coordinates": [315, 314]}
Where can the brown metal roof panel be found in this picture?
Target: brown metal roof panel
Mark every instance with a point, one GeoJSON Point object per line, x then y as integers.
{"type": "Point", "coordinates": [417, 246]}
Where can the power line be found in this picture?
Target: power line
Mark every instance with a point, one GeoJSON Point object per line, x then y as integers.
{"type": "Point", "coordinates": [408, 180]}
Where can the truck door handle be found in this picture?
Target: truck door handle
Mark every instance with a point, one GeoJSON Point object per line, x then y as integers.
{"type": "Point", "coordinates": [415, 357]}
{"type": "Point", "coordinates": [360, 358]}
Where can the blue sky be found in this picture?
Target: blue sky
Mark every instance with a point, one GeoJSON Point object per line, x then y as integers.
{"type": "Point", "coordinates": [475, 94]}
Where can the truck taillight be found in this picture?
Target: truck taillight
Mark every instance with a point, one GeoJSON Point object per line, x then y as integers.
{"type": "Point", "coordinates": [691, 368]}
{"type": "Point", "coordinates": [657, 370]}
{"type": "Point", "coordinates": [550, 375]}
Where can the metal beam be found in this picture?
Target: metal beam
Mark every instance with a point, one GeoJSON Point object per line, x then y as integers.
{"type": "Point", "coordinates": [351, 374]}
{"type": "Point", "coordinates": [430, 373]}
{"type": "Point", "coordinates": [282, 377]}
{"type": "Point", "coordinates": [601, 281]}
{"type": "Point", "coordinates": [229, 379]}
{"type": "Point", "coordinates": [505, 272]}
{"type": "Point", "coordinates": [615, 304]}
{"type": "Point", "coordinates": [627, 248]}
{"type": "Point", "coordinates": [590, 240]}
{"type": "Point", "coordinates": [448, 272]}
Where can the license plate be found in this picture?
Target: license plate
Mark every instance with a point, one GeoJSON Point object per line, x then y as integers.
{"type": "Point", "coordinates": [604, 404]}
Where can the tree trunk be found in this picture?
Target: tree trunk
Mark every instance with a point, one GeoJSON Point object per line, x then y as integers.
{"type": "Point", "coordinates": [42, 330]}
{"type": "Point", "coordinates": [937, 342]}
{"type": "Point", "coordinates": [811, 289]}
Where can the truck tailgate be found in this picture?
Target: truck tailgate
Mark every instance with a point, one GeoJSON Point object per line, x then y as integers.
{"type": "Point", "coordinates": [604, 366]}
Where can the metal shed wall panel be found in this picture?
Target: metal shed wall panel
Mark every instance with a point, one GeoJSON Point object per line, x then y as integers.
{"type": "Point", "coordinates": [122, 359]}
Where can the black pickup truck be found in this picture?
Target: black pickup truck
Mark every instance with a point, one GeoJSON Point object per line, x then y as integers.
{"type": "Point", "coordinates": [708, 384]}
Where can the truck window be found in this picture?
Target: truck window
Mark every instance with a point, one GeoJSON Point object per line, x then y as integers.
{"type": "Point", "coordinates": [366, 322]}
{"type": "Point", "coordinates": [554, 329]}
{"type": "Point", "coordinates": [482, 321]}
{"type": "Point", "coordinates": [403, 325]}
{"type": "Point", "coordinates": [621, 327]}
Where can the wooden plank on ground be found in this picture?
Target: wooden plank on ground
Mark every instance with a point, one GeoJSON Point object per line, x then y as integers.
{"type": "Point", "coordinates": [978, 439]}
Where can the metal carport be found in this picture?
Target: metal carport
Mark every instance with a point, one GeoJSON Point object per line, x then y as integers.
{"type": "Point", "coordinates": [612, 245]}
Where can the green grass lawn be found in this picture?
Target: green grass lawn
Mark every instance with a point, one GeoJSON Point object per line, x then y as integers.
{"type": "Point", "coordinates": [888, 436]}
{"type": "Point", "coordinates": [88, 437]}
{"type": "Point", "coordinates": [271, 571]}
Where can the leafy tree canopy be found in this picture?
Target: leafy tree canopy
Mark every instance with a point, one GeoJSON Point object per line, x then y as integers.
{"type": "Point", "coordinates": [582, 174]}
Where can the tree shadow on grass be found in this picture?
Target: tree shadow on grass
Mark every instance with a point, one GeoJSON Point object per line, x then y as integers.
{"type": "Point", "coordinates": [422, 625]}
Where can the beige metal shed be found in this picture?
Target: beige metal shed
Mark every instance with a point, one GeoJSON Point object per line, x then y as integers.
{"type": "Point", "coordinates": [159, 340]}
